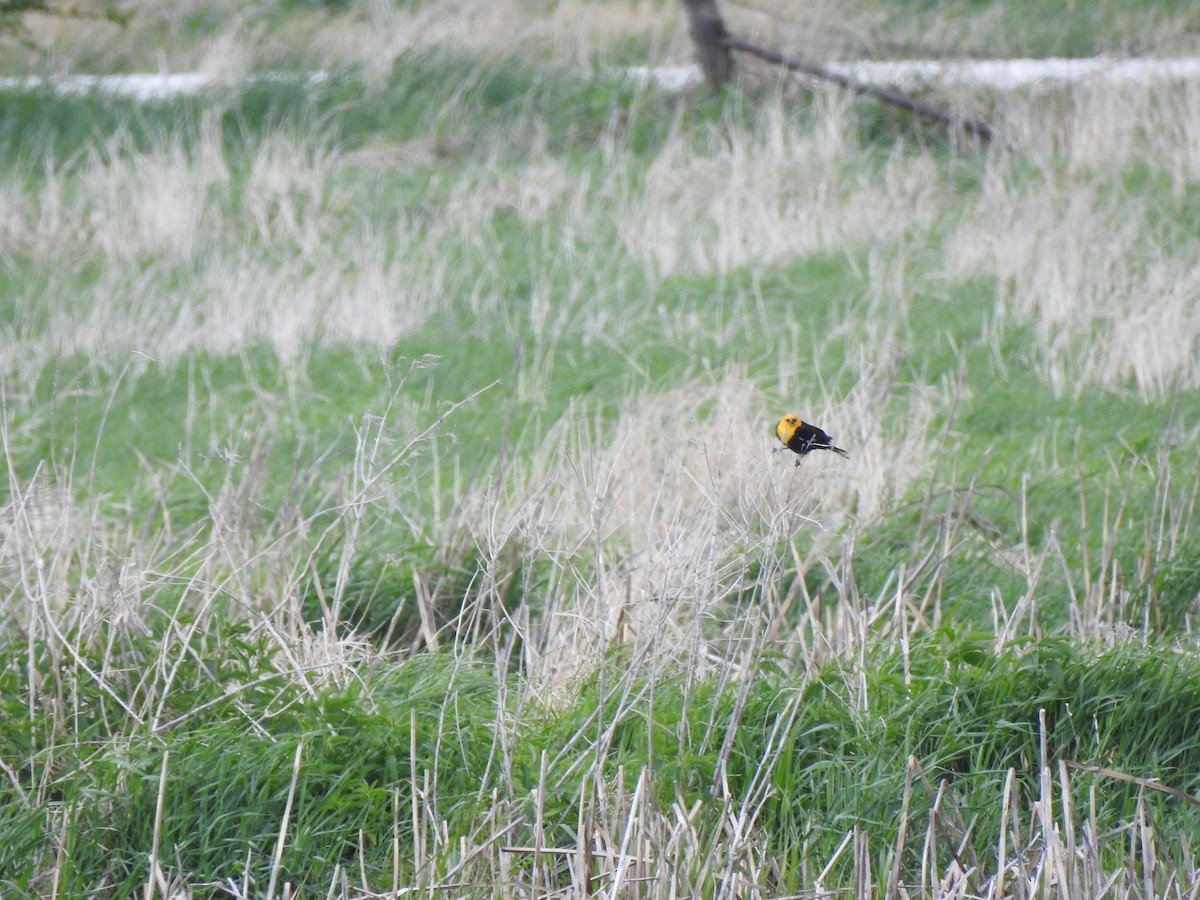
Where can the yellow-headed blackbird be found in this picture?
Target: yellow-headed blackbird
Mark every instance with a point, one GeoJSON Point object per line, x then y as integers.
{"type": "Point", "coordinates": [801, 438]}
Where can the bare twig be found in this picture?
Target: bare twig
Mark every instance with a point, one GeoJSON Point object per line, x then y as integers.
{"type": "Point", "coordinates": [155, 868]}
{"type": "Point", "coordinates": [968, 124]}
{"type": "Point", "coordinates": [1134, 779]}
{"type": "Point", "coordinates": [276, 863]}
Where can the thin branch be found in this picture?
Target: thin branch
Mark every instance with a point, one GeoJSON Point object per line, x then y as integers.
{"type": "Point", "coordinates": [968, 124]}
{"type": "Point", "coordinates": [1133, 779]}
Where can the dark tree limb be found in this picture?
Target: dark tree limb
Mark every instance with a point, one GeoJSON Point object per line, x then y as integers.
{"type": "Point", "coordinates": [968, 124]}
{"type": "Point", "coordinates": [712, 40]}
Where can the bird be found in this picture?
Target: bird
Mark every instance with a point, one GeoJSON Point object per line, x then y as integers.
{"type": "Point", "coordinates": [801, 437]}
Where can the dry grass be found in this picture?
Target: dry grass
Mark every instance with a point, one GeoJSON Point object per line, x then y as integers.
{"type": "Point", "coordinates": [329, 265]}
{"type": "Point", "coordinates": [1076, 258]}
{"type": "Point", "coordinates": [659, 521]}
{"type": "Point", "coordinates": [228, 40]}
{"type": "Point", "coordinates": [371, 33]}
{"type": "Point", "coordinates": [778, 192]}
{"type": "Point", "coordinates": [1092, 127]}
{"type": "Point", "coordinates": [1069, 251]}
{"type": "Point", "coordinates": [575, 32]}
{"type": "Point", "coordinates": [672, 525]}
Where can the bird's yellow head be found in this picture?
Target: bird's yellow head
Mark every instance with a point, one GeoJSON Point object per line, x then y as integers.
{"type": "Point", "coordinates": [787, 427]}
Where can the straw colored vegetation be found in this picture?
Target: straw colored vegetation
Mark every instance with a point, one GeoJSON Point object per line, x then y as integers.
{"type": "Point", "coordinates": [390, 503]}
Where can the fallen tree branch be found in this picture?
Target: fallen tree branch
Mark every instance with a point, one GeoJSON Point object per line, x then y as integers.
{"type": "Point", "coordinates": [972, 126]}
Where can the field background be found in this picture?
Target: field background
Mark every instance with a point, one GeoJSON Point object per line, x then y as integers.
{"type": "Point", "coordinates": [389, 501]}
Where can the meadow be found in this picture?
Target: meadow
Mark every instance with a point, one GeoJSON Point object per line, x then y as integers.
{"type": "Point", "coordinates": [391, 503]}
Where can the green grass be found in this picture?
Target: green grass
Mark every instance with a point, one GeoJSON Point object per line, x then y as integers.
{"type": "Point", "coordinates": [465, 105]}
{"type": "Point", "coordinates": [818, 756]}
{"type": "Point", "coordinates": [1040, 28]}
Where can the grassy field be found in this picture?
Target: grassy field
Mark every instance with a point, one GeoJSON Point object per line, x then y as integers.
{"type": "Point", "coordinates": [390, 500]}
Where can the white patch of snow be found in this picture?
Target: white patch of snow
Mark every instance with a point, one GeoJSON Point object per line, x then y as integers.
{"type": "Point", "coordinates": [669, 78]}
{"type": "Point", "coordinates": [145, 86]}
{"type": "Point", "coordinates": [1006, 74]}
{"type": "Point", "coordinates": [1002, 74]}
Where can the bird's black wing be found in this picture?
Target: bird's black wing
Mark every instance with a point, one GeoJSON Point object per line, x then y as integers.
{"type": "Point", "coordinates": [807, 437]}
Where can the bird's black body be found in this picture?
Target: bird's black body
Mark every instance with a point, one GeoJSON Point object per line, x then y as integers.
{"type": "Point", "coordinates": [801, 437]}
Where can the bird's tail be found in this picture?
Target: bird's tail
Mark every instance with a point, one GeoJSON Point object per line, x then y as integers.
{"type": "Point", "coordinates": [840, 452]}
